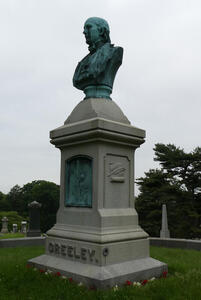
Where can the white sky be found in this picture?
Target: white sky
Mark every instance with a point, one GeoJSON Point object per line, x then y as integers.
{"type": "Point", "coordinates": [158, 86]}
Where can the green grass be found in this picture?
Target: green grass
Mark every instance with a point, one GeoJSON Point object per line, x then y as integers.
{"type": "Point", "coordinates": [17, 282]}
{"type": "Point", "coordinates": [12, 236]}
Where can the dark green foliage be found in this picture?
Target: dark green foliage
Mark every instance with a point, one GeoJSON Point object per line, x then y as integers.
{"type": "Point", "coordinates": [185, 168]}
{"type": "Point", "coordinates": [13, 218]}
{"type": "Point", "coordinates": [178, 185]}
{"type": "Point", "coordinates": [14, 198]}
{"type": "Point", "coordinates": [12, 235]}
{"type": "Point", "coordinates": [4, 204]}
{"type": "Point", "coordinates": [45, 192]}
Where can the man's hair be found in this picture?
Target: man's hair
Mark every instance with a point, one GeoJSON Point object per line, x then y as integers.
{"type": "Point", "coordinates": [102, 24]}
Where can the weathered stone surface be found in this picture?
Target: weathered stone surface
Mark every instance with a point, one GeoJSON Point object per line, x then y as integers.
{"type": "Point", "coordinates": [176, 243]}
{"type": "Point", "coordinates": [22, 242]}
{"type": "Point", "coordinates": [4, 228]}
{"type": "Point", "coordinates": [15, 229]}
{"type": "Point", "coordinates": [104, 276]}
{"type": "Point", "coordinates": [164, 233]}
{"type": "Point", "coordinates": [92, 108]}
{"type": "Point", "coordinates": [34, 216]}
{"type": "Point", "coordinates": [23, 226]}
{"type": "Point", "coordinates": [102, 244]}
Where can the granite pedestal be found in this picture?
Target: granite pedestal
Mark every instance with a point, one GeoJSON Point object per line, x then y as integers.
{"type": "Point", "coordinates": [98, 241]}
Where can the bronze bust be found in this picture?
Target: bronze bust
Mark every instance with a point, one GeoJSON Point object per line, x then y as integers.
{"type": "Point", "coordinates": [96, 72]}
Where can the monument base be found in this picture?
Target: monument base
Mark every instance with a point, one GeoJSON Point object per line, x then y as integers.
{"type": "Point", "coordinates": [4, 231]}
{"type": "Point", "coordinates": [33, 233]}
{"type": "Point", "coordinates": [101, 276]}
{"type": "Point", "coordinates": [99, 265]}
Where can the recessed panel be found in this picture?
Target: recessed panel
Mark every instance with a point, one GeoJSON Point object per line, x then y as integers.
{"type": "Point", "coordinates": [78, 184]}
{"type": "Point", "coordinates": [117, 178]}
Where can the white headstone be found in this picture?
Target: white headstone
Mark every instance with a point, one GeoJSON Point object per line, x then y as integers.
{"type": "Point", "coordinates": [23, 226]}
{"type": "Point", "coordinates": [14, 228]}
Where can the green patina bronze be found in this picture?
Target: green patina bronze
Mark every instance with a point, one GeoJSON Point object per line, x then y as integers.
{"type": "Point", "coordinates": [96, 72]}
{"type": "Point", "coordinates": [79, 182]}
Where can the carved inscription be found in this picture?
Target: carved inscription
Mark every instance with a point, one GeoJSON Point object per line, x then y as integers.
{"type": "Point", "coordinates": [116, 172]}
{"type": "Point", "coordinates": [117, 191]}
{"type": "Point", "coordinates": [72, 252]}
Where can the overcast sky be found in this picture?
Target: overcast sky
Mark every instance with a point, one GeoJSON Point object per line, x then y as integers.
{"type": "Point", "coordinates": [158, 86]}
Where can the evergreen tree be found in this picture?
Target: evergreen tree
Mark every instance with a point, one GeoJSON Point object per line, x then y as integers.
{"type": "Point", "coordinates": [14, 198]}
{"type": "Point", "coordinates": [178, 185]}
{"type": "Point", "coordinates": [4, 204]}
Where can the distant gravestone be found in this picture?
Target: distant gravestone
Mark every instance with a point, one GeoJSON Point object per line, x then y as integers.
{"type": "Point", "coordinates": [164, 233]}
{"type": "Point", "coordinates": [23, 227]}
{"type": "Point", "coordinates": [14, 228]}
{"type": "Point", "coordinates": [34, 215]}
{"type": "Point", "coordinates": [4, 225]}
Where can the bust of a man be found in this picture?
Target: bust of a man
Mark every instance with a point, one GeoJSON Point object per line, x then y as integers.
{"type": "Point", "coordinates": [96, 72]}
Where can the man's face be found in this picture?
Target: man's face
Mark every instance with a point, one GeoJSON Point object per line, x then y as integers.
{"type": "Point", "coordinates": [91, 32]}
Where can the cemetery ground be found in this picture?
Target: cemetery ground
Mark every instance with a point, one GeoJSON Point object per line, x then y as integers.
{"type": "Point", "coordinates": [18, 282]}
{"type": "Point", "coordinates": [12, 235]}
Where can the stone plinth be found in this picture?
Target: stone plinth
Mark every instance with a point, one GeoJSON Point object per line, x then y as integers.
{"type": "Point", "coordinates": [34, 222]}
{"type": "Point", "coordinates": [96, 239]}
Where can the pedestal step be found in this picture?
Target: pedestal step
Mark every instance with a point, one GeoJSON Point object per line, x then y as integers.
{"type": "Point", "coordinates": [101, 276]}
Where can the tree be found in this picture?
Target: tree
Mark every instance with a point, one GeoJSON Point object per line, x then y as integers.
{"type": "Point", "coordinates": [13, 218]}
{"type": "Point", "coordinates": [155, 190]}
{"type": "Point", "coordinates": [177, 185]}
{"type": "Point", "coordinates": [185, 168]}
{"type": "Point", "coordinates": [4, 204]}
{"type": "Point", "coordinates": [14, 198]}
{"type": "Point", "coordinates": [46, 193]}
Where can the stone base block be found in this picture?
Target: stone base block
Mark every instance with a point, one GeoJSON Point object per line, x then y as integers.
{"type": "Point", "coordinates": [33, 233]}
{"type": "Point", "coordinates": [165, 234]}
{"type": "Point", "coordinates": [101, 276]}
{"type": "Point", "coordinates": [4, 231]}
{"type": "Point", "coordinates": [97, 254]}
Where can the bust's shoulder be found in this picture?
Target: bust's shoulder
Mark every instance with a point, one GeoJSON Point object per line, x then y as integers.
{"type": "Point", "coordinates": [112, 50]}
{"type": "Point", "coordinates": [116, 53]}
{"type": "Point", "coordinates": [118, 50]}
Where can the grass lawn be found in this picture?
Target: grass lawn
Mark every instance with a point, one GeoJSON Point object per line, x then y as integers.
{"type": "Point", "coordinates": [12, 235]}
{"type": "Point", "coordinates": [17, 282]}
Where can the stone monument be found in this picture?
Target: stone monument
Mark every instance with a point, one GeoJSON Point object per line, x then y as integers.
{"type": "Point", "coordinates": [96, 239]}
{"type": "Point", "coordinates": [15, 230]}
{"type": "Point", "coordinates": [164, 233]}
{"type": "Point", "coordinates": [34, 219]}
{"type": "Point", "coordinates": [4, 228]}
{"type": "Point", "coordinates": [24, 227]}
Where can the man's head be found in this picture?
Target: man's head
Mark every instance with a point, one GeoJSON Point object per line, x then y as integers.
{"type": "Point", "coordinates": [96, 30]}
